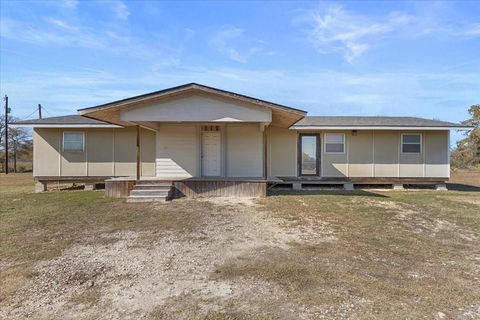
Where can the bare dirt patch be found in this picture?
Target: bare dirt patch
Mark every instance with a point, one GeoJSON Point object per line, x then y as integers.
{"type": "Point", "coordinates": [133, 274]}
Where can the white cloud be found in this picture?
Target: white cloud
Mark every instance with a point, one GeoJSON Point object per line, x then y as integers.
{"type": "Point", "coordinates": [332, 28]}
{"type": "Point", "coordinates": [61, 24]}
{"type": "Point", "coordinates": [336, 30]}
{"type": "Point", "coordinates": [224, 39]}
{"type": "Point", "coordinates": [234, 43]}
{"type": "Point", "coordinates": [71, 4]}
{"type": "Point", "coordinates": [121, 10]}
{"type": "Point", "coordinates": [58, 32]}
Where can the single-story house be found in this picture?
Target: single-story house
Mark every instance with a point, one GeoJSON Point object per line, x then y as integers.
{"type": "Point", "coordinates": [197, 140]}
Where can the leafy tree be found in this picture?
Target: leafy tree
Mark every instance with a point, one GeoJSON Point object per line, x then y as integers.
{"type": "Point", "coordinates": [19, 143]}
{"type": "Point", "coordinates": [467, 152]}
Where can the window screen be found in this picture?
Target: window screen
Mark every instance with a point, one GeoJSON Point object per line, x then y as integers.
{"type": "Point", "coordinates": [335, 142]}
{"type": "Point", "coordinates": [73, 141]}
{"type": "Point", "coordinates": [411, 143]}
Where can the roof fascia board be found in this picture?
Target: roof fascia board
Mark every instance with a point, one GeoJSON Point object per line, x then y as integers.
{"type": "Point", "coordinates": [37, 125]}
{"type": "Point", "coordinates": [185, 88]}
{"type": "Point", "coordinates": [377, 128]}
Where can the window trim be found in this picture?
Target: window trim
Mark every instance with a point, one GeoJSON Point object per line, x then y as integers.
{"type": "Point", "coordinates": [325, 143]}
{"type": "Point", "coordinates": [419, 143]}
{"type": "Point", "coordinates": [318, 154]}
{"type": "Point", "coordinates": [83, 141]}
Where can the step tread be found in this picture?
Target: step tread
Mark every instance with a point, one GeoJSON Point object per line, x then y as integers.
{"type": "Point", "coordinates": [150, 190]}
{"type": "Point", "coordinates": [148, 187]}
{"type": "Point", "coordinates": [147, 196]}
{"type": "Point", "coordinates": [149, 199]}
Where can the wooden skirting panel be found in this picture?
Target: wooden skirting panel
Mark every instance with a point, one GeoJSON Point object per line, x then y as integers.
{"type": "Point", "coordinates": [219, 188]}
{"type": "Point", "coordinates": [116, 188]}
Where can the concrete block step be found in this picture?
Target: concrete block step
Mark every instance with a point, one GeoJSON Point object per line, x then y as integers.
{"type": "Point", "coordinates": [153, 182]}
{"type": "Point", "coordinates": [131, 199]}
{"type": "Point", "coordinates": [163, 193]}
{"type": "Point", "coordinates": [151, 187]}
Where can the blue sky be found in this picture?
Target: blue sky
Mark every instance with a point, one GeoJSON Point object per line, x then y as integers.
{"type": "Point", "coordinates": [328, 58]}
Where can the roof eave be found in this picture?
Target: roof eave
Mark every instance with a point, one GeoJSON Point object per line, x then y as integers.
{"type": "Point", "coordinates": [306, 127]}
{"type": "Point", "coordinates": [186, 87]}
{"type": "Point", "coordinates": [62, 125]}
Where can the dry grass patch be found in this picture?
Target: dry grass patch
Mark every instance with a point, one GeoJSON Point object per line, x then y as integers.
{"type": "Point", "coordinates": [323, 254]}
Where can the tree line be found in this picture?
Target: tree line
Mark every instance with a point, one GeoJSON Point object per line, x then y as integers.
{"type": "Point", "coordinates": [467, 153]}
{"type": "Point", "coordinates": [20, 147]}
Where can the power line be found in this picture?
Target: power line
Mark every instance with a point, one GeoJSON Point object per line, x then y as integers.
{"type": "Point", "coordinates": [46, 110]}
{"type": "Point", "coordinates": [26, 118]}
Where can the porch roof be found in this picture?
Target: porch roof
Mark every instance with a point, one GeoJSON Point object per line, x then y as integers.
{"type": "Point", "coordinates": [110, 112]}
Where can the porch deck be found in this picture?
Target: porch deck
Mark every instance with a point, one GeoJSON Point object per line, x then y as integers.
{"type": "Point", "coordinates": [193, 187]}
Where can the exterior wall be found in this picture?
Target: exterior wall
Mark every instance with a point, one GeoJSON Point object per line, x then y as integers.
{"type": "Point", "coordinates": [282, 152]}
{"type": "Point", "coordinates": [386, 149]}
{"type": "Point", "coordinates": [334, 164]}
{"type": "Point", "coordinates": [412, 164]}
{"type": "Point", "coordinates": [367, 154]}
{"type": "Point", "coordinates": [108, 152]}
{"type": "Point", "coordinates": [197, 108]}
{"type": "Point", "coordinates": [99, 145]}
{"type": "Point", "coordinates": [437, 157]}
{"type": "Point", "coordinates": [147, 143]}
{"type": "Point", "coordinates": [244, 150]}
{"type": "Point", "coordinates": [46, 152]}
{"type": "Point", "coordinates": [125, 152]}
{"type": "Point", "coordinates": [177, 150]}
{"type": "Point", "coordinates": [378, 154]}
{"type": "Point", "coordinates": [360, 154]}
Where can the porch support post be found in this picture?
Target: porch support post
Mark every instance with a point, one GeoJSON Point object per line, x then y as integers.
{"type": "Point", "coordinates": [138, 152]}
{"type": "Point", "coordinates": [265, 151]}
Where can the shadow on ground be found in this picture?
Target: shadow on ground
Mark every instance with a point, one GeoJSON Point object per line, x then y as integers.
{"type": "Point", "coordinates": [339, 192]}
{"type": "Point", "coordinates": [462, 187]}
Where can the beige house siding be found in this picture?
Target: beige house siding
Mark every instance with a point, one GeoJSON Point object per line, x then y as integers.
{"type": "Point", "coordinates": [437, 157]}
{"type": "Point", "coordinates": [386, 153]}
{"type": "Point", "coordinates": [125, 152]}
{"type": "Point", "coordinates": [147, 142]}
{"type": "Point", "coordinates": [46, 152]}
{"type": "Point", "coordinates": [334, 164]}
{"type": "Point", "coordinates": [177, 149]}
{"type": "Point", "coordinates": [197, 108]}
{"type": "Point", "coordinates": [360, 154]}
{"type": "Point", "coordinates": [384, 148]}
{"type": "Point", "coordinates": [100, 152]}
{"type": "Point", "coordinates": [174, 152]}
{"type": "Point", "coordinates": [108, 152]}
{"type": "Point", "coordinates": [282, 152]}
{"type": "Point", "coordinates": [73, 163]}
{"type": "Point", "coordinates": [244, 150]}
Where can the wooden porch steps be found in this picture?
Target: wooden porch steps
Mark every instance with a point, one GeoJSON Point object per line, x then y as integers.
{"type": "Point", "coordinates": [151, 191]}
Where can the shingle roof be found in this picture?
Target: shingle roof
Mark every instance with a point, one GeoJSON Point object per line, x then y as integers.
{"type": "Point", "coordinates": [198, 86]}
{"type": "Point", "coordinates": [76, 120]}
{"type": "Point", "coordinates": [71, 119]}
{"type": "Point", "coordinates": [354, 121]}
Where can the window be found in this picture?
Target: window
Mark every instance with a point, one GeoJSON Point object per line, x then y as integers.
{"type": "Point", "coordinates": [411, 143]}
{"type": "Point", "coordinates": [334, 142]}
{"type": "Point", "coordinates": [73, 141]}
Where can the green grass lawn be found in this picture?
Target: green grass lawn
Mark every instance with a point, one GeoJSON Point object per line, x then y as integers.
{"type": "Point", "coordinates": [366, 254]}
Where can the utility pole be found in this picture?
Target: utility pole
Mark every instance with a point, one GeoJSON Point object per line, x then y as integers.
{"type": "Point", "coordinates": [7, 110]}
{"type": "Point", "coordinates": [39, 111]}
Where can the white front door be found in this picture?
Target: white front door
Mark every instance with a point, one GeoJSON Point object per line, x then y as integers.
{"type": "Point", "coordinates": [211, 155]}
